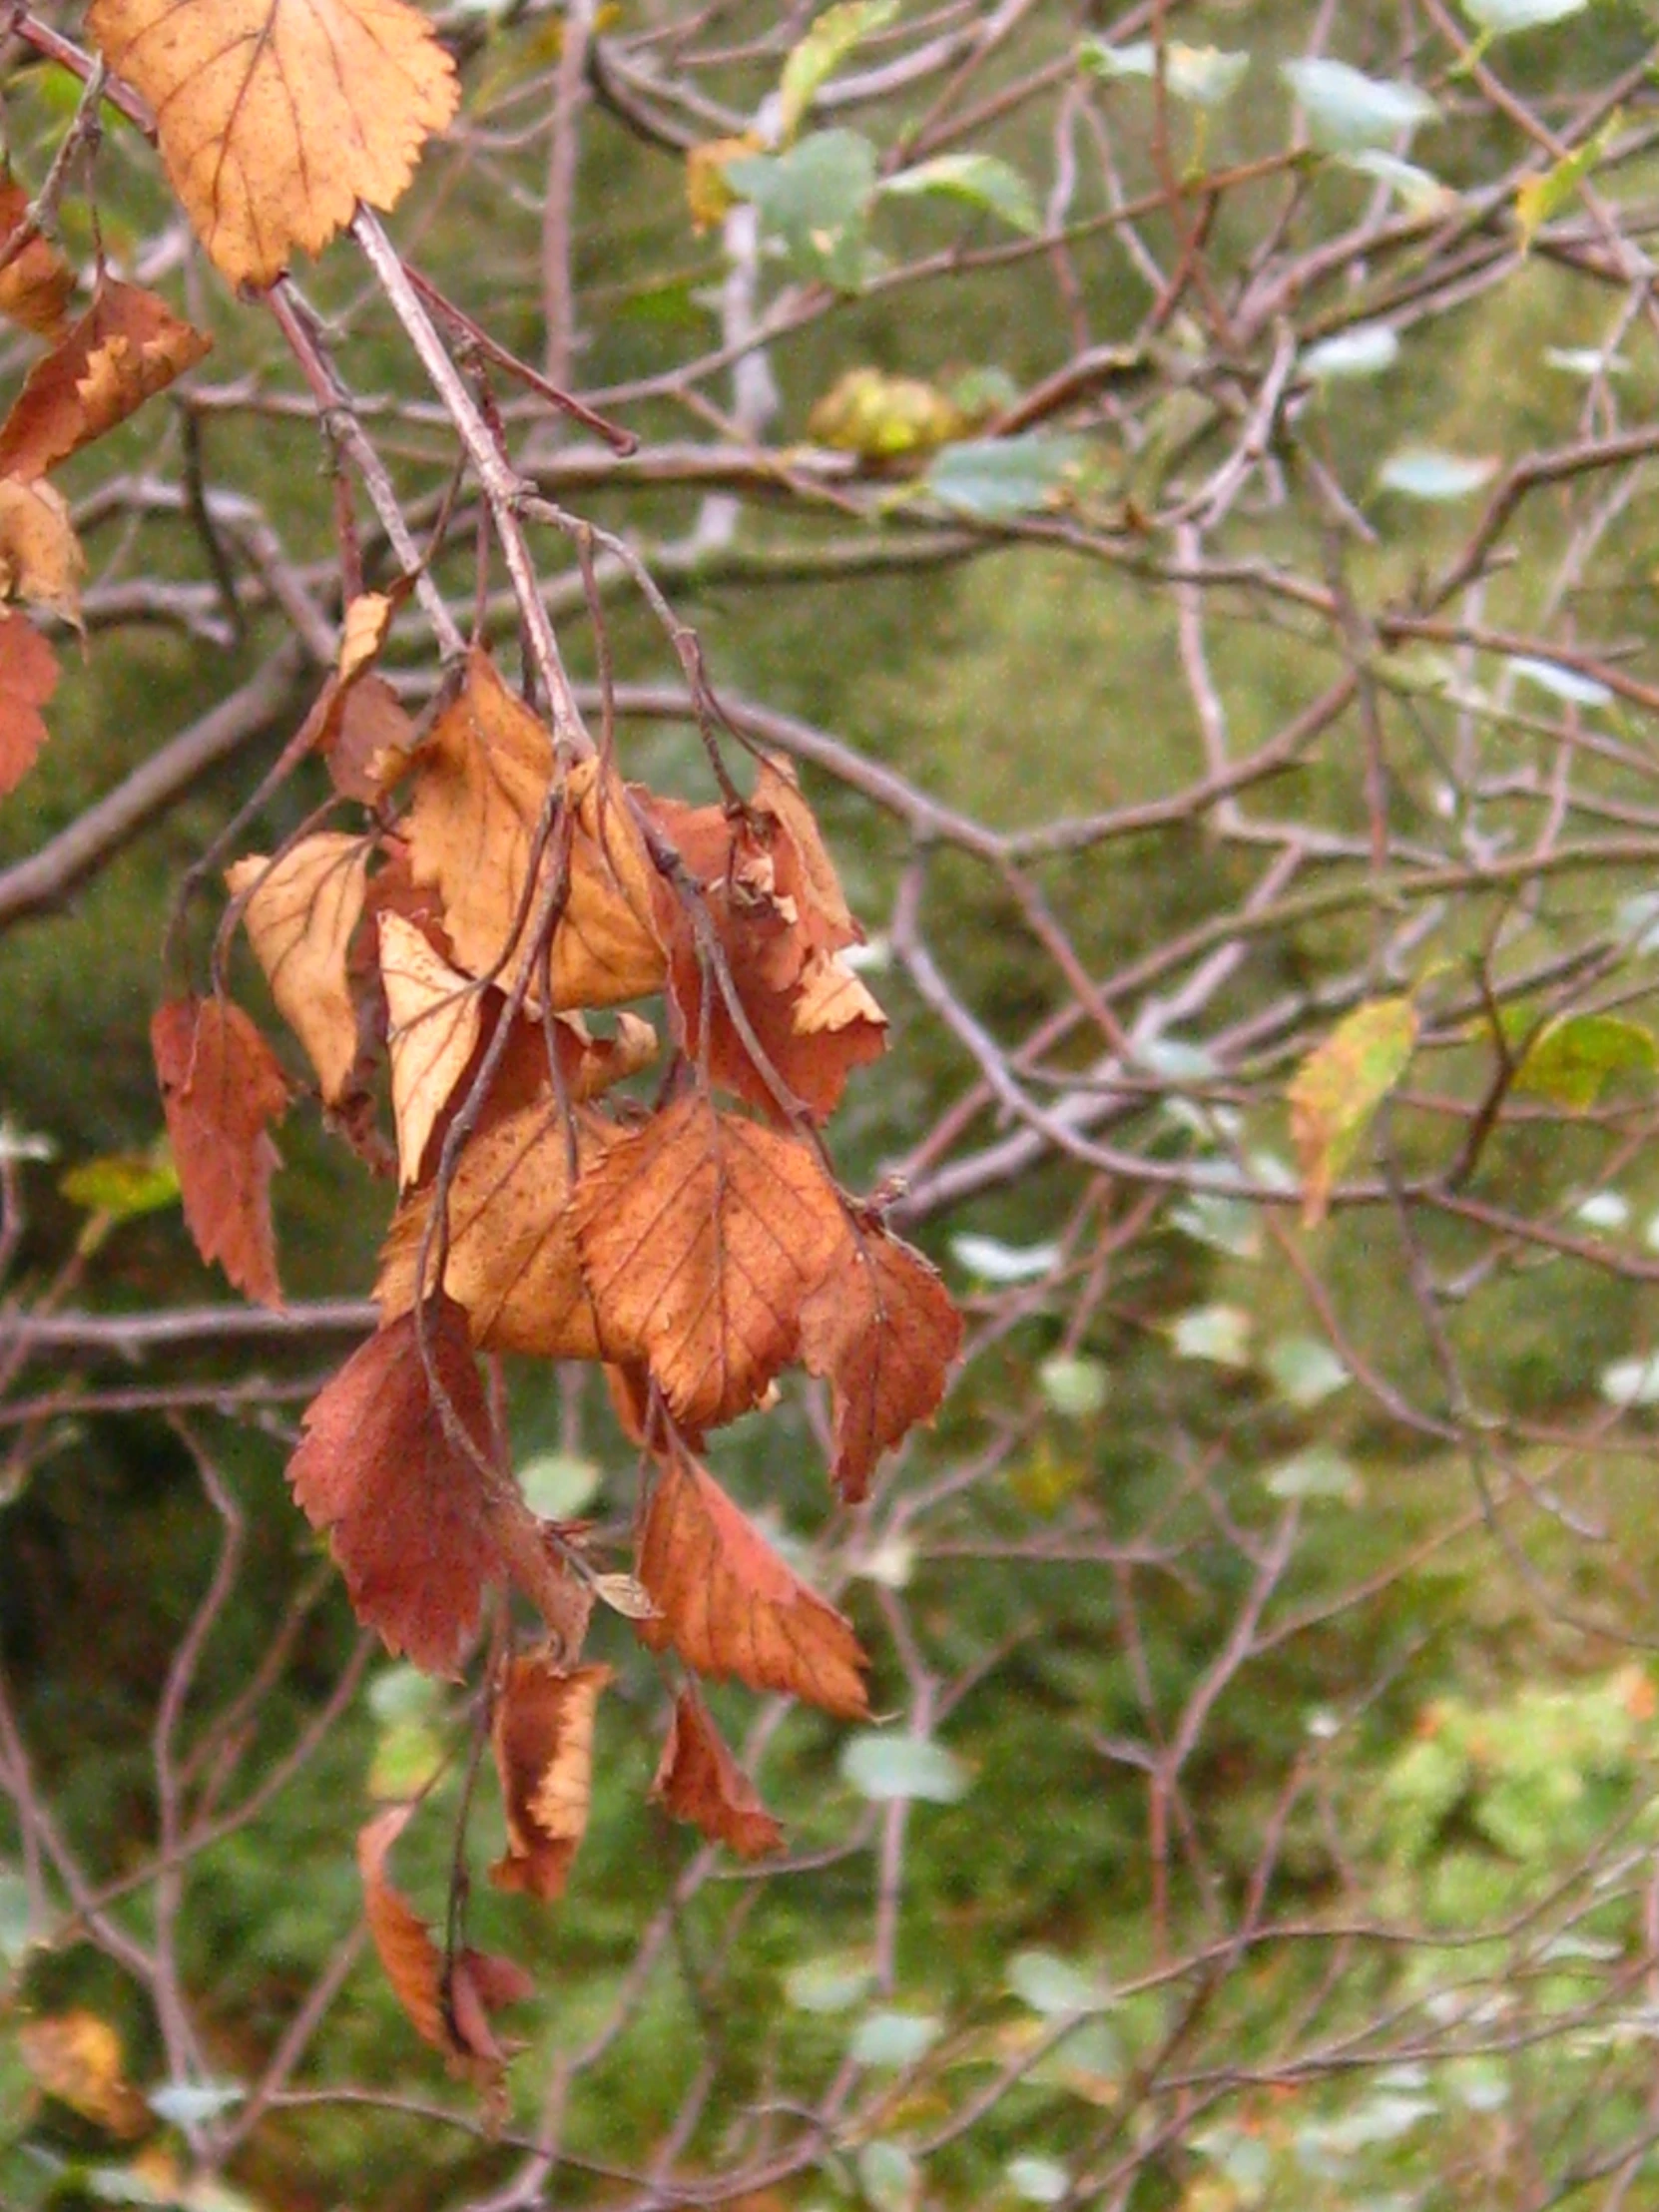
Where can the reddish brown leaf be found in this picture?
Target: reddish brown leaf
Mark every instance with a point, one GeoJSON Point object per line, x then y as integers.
{"type": "Point", "coordinates": [453, 2019]}
{"type": "Point", "coordinates": [698, 1780]}
{"type": "Point", "coordinates": [368, 737]}
{"type": "Point", "coordinates": [403, 1506]}
{"type": "Point", "coordinates": [729, 1606]}
{"type": "Point", "coordinates": [127, 346]}
{"type": "Point", "coordinates": [35, 288]}
{"type": "Point", "coordinates": [221, 1087]}
{"type": "Point", "coordinates": [28, 678]}
{"type": "Point", "coordinates": [542, 1733]}
{"type": "Point", "coordinates": [700, 1235]}
{"type": "Point", "coordinates": [882, 1328]}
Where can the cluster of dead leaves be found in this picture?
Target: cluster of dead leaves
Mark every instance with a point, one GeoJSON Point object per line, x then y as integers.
{"type": "Point", "coordinates": [446, 964]}
{"type": "Point", "coordinates": [127, 346]}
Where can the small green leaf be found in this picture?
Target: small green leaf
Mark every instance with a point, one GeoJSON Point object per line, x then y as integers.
{"type": "Point", "coordinates": [1539, 200]}
{"type": "Point", "coordinates": [1587, 361]}
{"type": "Point", "coordinates": [816, 199]}
{"type": "Point", "coordinates": [832, 1984]}
{"type": "Point", "coordinates": [1497, 17]}
{"type": "Point", "coordinates": [1572, 1059]}
{"type": "Point", "coordinates": [1228, 1224]}
{"type": "Point", "coordinates": [1347, 110]}
{"type": "Point", "coordinates": [1561, 682]}
{"type": "Point", "coordinates": [15, 1919]}
{"type": "Point", "coordinates": [1053, 1986]}
{"type": "Point", "coordinates": [982, 179]}
{"type": "Point", "coordinates": [995, 479]}
{"type": "Point", "coordinates": [189, 2104]}
{"type": "Point", "coordinates": [1366, 350]}
{"type": "Point", "coordinates": [895, 2038]}
{"type": "Point", "coordinates": [1303, 1371]}
{"type": "Point", "coordinates": [1037, 2181]}
{"type": "Point", "coordinates": [886, 1767]}
{"type": "Point", "coordinates": [994, 1262]}
{"type": "Point", "coordinates": [404, 1693]}
{"type": "Point", "coordinates": [559, 1485]}
{"type": "Point", "coordinates": [407, 1756]}
{"type": "Point", "coordinates": [1074, 1387]}
{"type": "Point", "coordinates": [821, 53]}
{"type": "Point", "coordinates": [1339, 1087]}
{"type": "Point", "coordinates": [122, 1185]}
{"type": "Point", "coordinates": [1317, 1473]}
{"type": "Point", "coordinates": [1420, 472]}
{"type": "Point", "coordinates": [1217, 1333]}
{"type": "Point", "coordinates": [1631, 1381]}
{"type": "Point", "coordinates": [888, 2177]}
{"type": "Point", "coordinates": [1207, 76]}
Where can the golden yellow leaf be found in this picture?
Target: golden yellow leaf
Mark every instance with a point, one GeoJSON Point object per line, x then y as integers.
{"type": "Point", "coordinates": [76, 2057]}
{"type": "Point", "coordinates": [275, 117]}
{"type": "Point", "coordinates": [40, 556]}
{"type": "Point", "coordinates": [363, 631]}
{"type": "Point", "coordinates": [301, 914]}
{"type": "Point", "coordinates": [435, 1017]}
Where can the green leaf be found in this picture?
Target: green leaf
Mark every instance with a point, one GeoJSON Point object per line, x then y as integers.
{"type": "Point", "coordinates": [122, 1185]}
{"type": "Point", "coordinates": [1303, 1371]}
{"type": "Point", "coordinates": [1366, 350]}
{"type": "Point", "coordinates": [15, 1921]}
{"type": "Point", "coordinates": [404, 1693]}
{"type": "Point", "coordinates": [1496, 17]}
{"type": "Point", "coordinates": [1420, 472]}
{"type": "Point", "coordinates": [1207, 76]}
{"type": "Point", "coordinates": [821, 53]}
{"type": "Point", "coordinates": [816, 199]}
{"type": "Point", "coordinates": [1217, 1333]}
{"type": "Point", "coordinates": [995, 1262]}
{"type": "Point", "coordinates": [831, 1984]}
{"type": "Point", "coordinates": [1572, 1059]}
{"type": "Point", "coordinates": [886, 1767]}
{"type": "Point", "coordinates": [407, 1756]}
{"type": "Point", "coordinates": [888, 2177]}
{"type": "Point", "coordinates": [995, 479]}
{"type": "Point", "coordinates": [189, 2104]}
{"type": "Point", "coordinates": [1037, 2181]}
{"type": "Point", "coordinates": [1631, 1381]}
{"type": "Point", "coordinates": [1346, 109]}
{"type": "Point", "coordinates": [1540, 199]}
{"type": "Point", "coordinates": [982, 179]}
{"type": "Point", "coordinates": [559, 1485]}
{"type": "Point", "coordinates": [1561, 682]}
{"type": "Point", "coordinates": [1053, 1986]}
{"type": "Point", "coordinates": [895, 2038]}
{"type": "Point", "coordinates": [1074, 1387]}
{"type": "Point", "coordinates": [1316, 1473]}
{"type": "Point", "coordinates": [1339, 1087]}
{"type": "Point", "coordinates": [1418, 190]}
{"type": "Point", "coordinates": [1228, 1224]}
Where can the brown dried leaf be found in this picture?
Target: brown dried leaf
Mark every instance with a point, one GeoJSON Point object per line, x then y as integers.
{"type": "Point", "coordinates": [729, 1606]}
{"type": "Point", "coordinates": [403, 1506]}
{"type": "Point", "coordinates": [513, 1262]}
{"type": "Point", "coordinates": [369, 739]}
{"type": "Point", "coordinates": [126, 347]}
{"type": "Point", "coordinates": [805, 872]}
{"type": "Point", "coordinates": [276, 116]}
{"type": "Point", "coordinates": [301, 912]}
{"type": "Point", "coordinates": [542, 1733]}
{"type": "Point", "coordinates": [435, 1017]}
{"type": "Point", "coordinates": [363, 632]}
{"type": "Point", "coordinates": [698, 1780]}
{"type": "Point", "coordinates": [77, 2057]}
{"type": "Point", "coordinates": [40, 555]}
{"type": "Point", "coordinates": [701, 1234]}
{"type": "Point", "coordinates": [28, 678]}
{"type": "Point", "coordinates": [882, 1328]}
{"type": "Point", "coordinates": [35, 288]}
{"type": "Point", "coordinates": [222, 1085]}
{"type": "Point", "coordinates": [453, 2021]}
{"type": "Point", "coordinates": [481, 783]}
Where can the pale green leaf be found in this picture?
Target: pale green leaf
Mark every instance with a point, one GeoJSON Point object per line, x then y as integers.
{"type": "Point", "coordinates": [1074, 1387]}
{"type": "Point", "coordinates": [1631, 1381]}
{"type": "Point", "coordinates": [994, 1262]}
{"type": "Point", "coordinates": [995, 479]}
{"type": "Point", "coordinates": [1303, 1371]}
{"type": "Point", "coordinates": [888, 1768]}
{"type": "Point", "coordinates": [122, 1185]}
{"type": "Point", "coordinates": [832, 1984]}
{"type": "Point", "coordinates": [1052, 1985]}
{"type": "Point", "coordinates": [821, 53]}
{"type": "Point", "coordinates": [190, 2104]}
{"type": "Point", "coordinates": [1561, 682]}
{"type": "Point", "coordinates": [1347, 110]}
{"type": "Point", "coordinates": [895, 2038]}
{"type": "Point", "coordinates": [1572, 1058]}
{"type": "Point", "coordinates": [1366, 350]}
{"type": "Point", "coordinates": [1037, 2181]}
{"type": "Point", "coordinates": [16, 1923]}
{"type": "Point", "coordinates": [1339, 1087]}
{"type": "Point", "coordinates": [981, 179]}
{"type": "Point", "coordinates": [1419, 192]}
{"type": "Point", "coordinates": [1316, 1473]}
{"type": "Point", "coordinates": [1205, 76]}
{"type": "Point", "coordinates": [1496, 17]}
{"type": "Point", "coordinates": [888, 2177]}
{"type": "Point", "coordinates": [1217, 1333]}
{"type": "Point", "coordinates": [815, 198]}
{"type": "Point", "coordinates": [1422, 472]}
{"type": "Point", "coordinates": [559, 1485]}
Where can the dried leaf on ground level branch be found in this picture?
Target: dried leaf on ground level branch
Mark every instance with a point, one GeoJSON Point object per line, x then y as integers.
{"type": "Point", "coordinates": [884, 1331]}
{"type": "Point", "coordinates": [698, 1780]}
{"type": "Point", "coordinates": [729, 1606]}
{"type": "Point", "coordinates": [222, 1086]}
{"type": "Point", "coordinates": [275, 117]}
{"type": "Point", "coordinates": [301, 912]}
{"type": "Point", "coordinates": [28, 678]}
{"type": "Point", "coordinates": [128, 347]}
{"type": "Point", "coordinates": [403, 1504]}
{"type": "Point", "coordinates": [542, 1736]}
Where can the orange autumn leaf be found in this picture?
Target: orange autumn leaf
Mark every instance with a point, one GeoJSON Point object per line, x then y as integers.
{"type": "Point", "coordinates": [512, 1261]}
{"type": "Point", "coordinates": [701, 1234]}
{"type": "Point", "coordinates": [301, 912]}
{"type": "Point", "coordinates": [882, 1328]}
{"type": "Point", "coordinates": [275, 117]}
{"type": "Point", "coordinates": [698, 1780]}
{"type": "Point", "coordinates": [403, 1504]}
{"type": "Point", "coordinates": [805, 872]}
{"type": "Point", "coordinates": [481, 788]}
{"type": "Point", "coordinates": [542, 1736]}
{"type": "Point", "coordinates": [36, 285]}
{"type": "Point", "coordinates": [452, 2012]}
{"type": "Point", "coordinates": [40, 555]}
{"type": "Point", "coordinates": [729, 1606]}
{"type": "Point", "coordinates": [222, 1086]}
{"type": "Point", "coordinates": [28, 678]}
{"type": "Point", "coordinates": [128, 347]}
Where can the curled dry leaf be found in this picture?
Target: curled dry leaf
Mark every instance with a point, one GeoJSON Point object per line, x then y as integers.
{"type": "Point", "coordinates": [698, 1780]}
{"type": "Point", "coordinates": [275, 117]}
{"type": "Point", "coordinates": [512, 1261]}
{"type": "Point", "coordinates": [128, 347]}
{"type": "Point", "coordinates": [77, 2057]}
{"type": "Point", "coordinates": [28, 678]}
{"type": "Point", "coordinates": [36, 285]}
{"type": "Point", "coordinates": [454, 2019]}
{"type": "Point", "coordinates": [542, 1735]}
{"type": "Point", "coordinates": [302, 909]}
{"type": "Point", "coordinates": [403, 1506]}
{"type": "Point", "coordinates": [481, 785]}
{"type": "Point", "coordinates": [222, 1086]}
{"type": "Point", "coordinates": [362, 633]}
{"type": "Point", "coordinates": [701, 1234]}
{"type": "Point", "coordinates": [435, 1016]}
{"type": "Point", "coordinates": [882, 1327]}
{"type": "Point", "coordinates": [729, 1606]}
{"type": "Point", "coordinates": [40, 555]}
